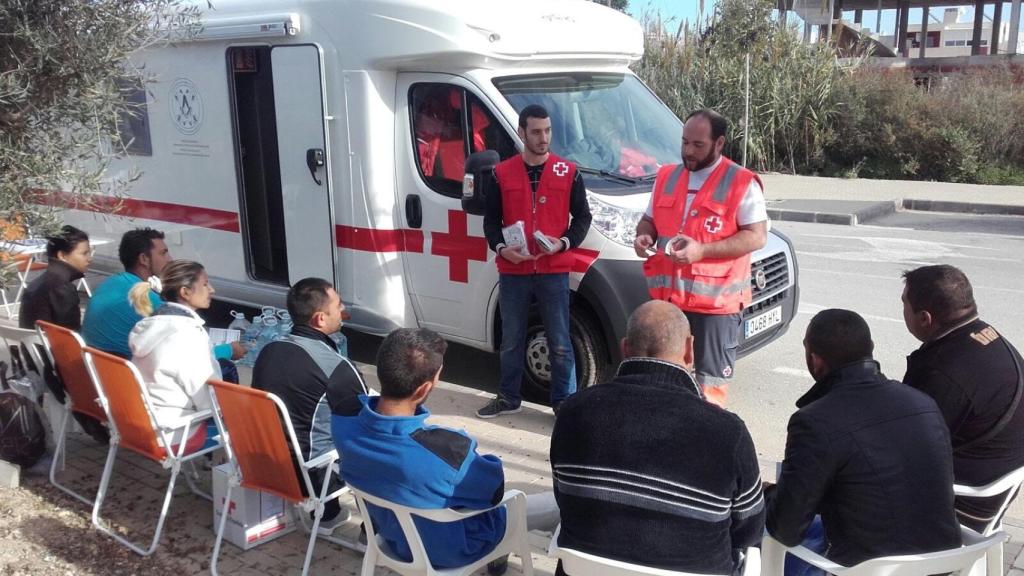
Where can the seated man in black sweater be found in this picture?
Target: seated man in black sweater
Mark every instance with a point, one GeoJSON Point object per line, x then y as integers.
{"type": "Point", "coordinates": [313, 380]}
{"type": "Point", "coordinates": [974, 375]}
{"type": "Point", "coordinates": [645, 470]}
{"type": "Point", "coordinates": [868, 455]}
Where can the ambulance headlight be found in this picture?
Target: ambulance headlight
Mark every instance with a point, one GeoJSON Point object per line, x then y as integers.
{"type": "Point", "coordinates": [618, 224]}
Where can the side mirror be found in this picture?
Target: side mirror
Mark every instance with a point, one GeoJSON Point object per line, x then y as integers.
{"type": "Point", "coordinates": [479, 181]}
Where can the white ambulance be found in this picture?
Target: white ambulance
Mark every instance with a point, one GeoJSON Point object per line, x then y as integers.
{"type": "Point", "coordinates": [327, 138]}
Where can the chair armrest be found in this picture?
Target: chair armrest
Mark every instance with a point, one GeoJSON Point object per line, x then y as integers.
{"type": "Point", "coordinates": [512, 499]}
{"type": "Point", "coordinates": [326, 459]}
{"type": "Point", "coordinates": [815, 559]}
{"type": "Point", "coordinates": [188, 421]}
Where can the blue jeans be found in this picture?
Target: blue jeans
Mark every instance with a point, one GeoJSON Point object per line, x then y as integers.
{"type": "Point", "coordinates": [815, 541]}
{"type": "Point", "coordinates": [514, 296]}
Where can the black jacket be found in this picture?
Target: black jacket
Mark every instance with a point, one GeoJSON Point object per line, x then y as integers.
{"type": "Point", "coordinates": [52, 297]}
{"type": "Point", "coordinates": [314, 381]}
{"type": "Point", "coordinates": [646, 471]}
{"type": "Point", "coordinates": [971, 375]}
{"type": "Point", "coordinates": [872, 457]}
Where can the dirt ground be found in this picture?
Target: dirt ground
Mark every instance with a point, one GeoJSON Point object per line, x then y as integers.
{"type": "Point", "coordinates": [45, 533]}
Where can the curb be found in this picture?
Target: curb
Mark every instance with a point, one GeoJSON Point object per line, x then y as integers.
{"type": "Point", "coordinates": [866, 214]}
{"type": "Point", "coordinates": [961, 207]}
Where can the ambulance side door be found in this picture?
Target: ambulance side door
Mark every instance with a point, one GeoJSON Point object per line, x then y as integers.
{"type": "Point", "coordinates": [440, 120]}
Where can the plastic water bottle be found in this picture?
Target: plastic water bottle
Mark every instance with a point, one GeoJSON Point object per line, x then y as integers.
{"type": "Point", "coordinates": [267, 335]}
{"type": "Point", "coordinates": [285, 328]}
{"type": "Point", "coordinates": [341, 343]}
{"type": "Point", "coordinates": [239, 323]}
{"type": "Point", "coordinates": [249, 338]}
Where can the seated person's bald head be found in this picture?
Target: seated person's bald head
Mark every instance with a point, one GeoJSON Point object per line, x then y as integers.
{"type": "Point", "coordinates": [659, 329]}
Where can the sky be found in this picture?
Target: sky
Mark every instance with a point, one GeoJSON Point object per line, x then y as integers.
{"type": "Point", "coordinates": [680, 9]}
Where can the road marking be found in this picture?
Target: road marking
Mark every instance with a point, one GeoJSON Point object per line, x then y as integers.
{"type": "Point", "coordinates": [792, 372]}
{"type": "Point", "coordinates": [815, 308]}
{"type": "Point", "coordinates": [855, 237]}
{"type": "Point", "coordinates": [899, 279]}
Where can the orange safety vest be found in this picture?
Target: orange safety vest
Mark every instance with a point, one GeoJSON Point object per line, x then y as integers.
{"type": "Point", "coordinates": [711, 286]}
{"type": "Point", "coordinates": [546, 210]}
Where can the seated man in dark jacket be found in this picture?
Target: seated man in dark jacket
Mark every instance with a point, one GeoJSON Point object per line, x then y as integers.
{"type": "Point", "coordinates": [645, 470]}
{"type": "Point", "coordinates": [974, 375]}
{"type": "Point", "coordinates": [313, 380]}
{"type": "Point", "coordinates": [870, 456]}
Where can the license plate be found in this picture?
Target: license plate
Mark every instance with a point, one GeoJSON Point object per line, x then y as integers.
{"type": "Point", "coordinates": [762, 322]}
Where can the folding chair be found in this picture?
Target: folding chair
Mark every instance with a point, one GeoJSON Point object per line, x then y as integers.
{"type": "Point", "coordinates": [1008, 485]}
{"type": "Point", "coordinates": [379, 554]}
{"type": "Point", "coordinates": [64, 348]}
{"type": "Point", "coordinates": [23, 264]}
{"type": "Point", "coordinates": [125, 398]}
{"type": "Point", "coordinates": [260, 442]}
{"type": "Point", "coordinates": [967, 559]}
{"type": "Point", "coordinates": [576, 563]}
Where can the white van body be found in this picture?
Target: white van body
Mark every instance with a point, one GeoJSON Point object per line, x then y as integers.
{"type": "Point", "coordinates": [234, 114]}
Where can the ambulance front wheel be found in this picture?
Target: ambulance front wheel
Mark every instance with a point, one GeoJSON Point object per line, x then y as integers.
{"type": "Point", "coordinates": [588, 345]}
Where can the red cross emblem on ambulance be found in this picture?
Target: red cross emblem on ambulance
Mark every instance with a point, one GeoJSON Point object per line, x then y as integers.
{"type": "Point", "coordinates": [713, 224]}
{"type": "Point", "coordinates": [560, 169]}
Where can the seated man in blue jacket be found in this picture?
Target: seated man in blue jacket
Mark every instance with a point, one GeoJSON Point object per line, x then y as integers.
{"type": "Point", "coordinates": [389, 450]}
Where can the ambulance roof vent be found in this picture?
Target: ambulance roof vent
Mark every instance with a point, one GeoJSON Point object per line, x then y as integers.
{"type": "Point", "coordinates": [256, 26]}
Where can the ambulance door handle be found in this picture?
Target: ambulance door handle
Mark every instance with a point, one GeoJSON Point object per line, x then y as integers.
{"type": "Point", "coordinates": [413, 211]}
{"type": "Point", "coordinates": [315, 161]}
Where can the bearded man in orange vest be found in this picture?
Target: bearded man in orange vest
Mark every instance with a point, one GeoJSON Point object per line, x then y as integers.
{"type": "Point", "coordinates": [705, 218]}
{"type": "Point", "coordinates": [547, 195]}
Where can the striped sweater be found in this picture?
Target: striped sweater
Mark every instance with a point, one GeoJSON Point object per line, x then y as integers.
{"type": "Point", "coordinates": [646, 471]}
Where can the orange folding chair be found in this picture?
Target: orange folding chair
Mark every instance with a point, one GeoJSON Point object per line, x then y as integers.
{"type": "Point", "coordinates": [125, 398]}
{"type": "Point", "coordinates": [260, 442]}
{"type": "Point", "coordinates": [64, 349]}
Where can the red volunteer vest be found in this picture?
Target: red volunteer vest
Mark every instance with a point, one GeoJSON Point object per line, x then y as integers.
{"type": "Point", "coordinates": [546, 210]}
{"type": "Point", "coordinates": [711, 286]}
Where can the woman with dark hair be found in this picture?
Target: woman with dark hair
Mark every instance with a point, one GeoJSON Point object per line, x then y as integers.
{"type": "Point", "coordinates": [171, 348]}
{"type": "Point", "coordinates": [53, 296]}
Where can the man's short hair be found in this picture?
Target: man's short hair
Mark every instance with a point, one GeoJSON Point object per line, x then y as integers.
{"type": "Point", "coordinates": [307, 297]}
{"type": "Point", "coordinates": [719, 125]}
{"type": "Point", "coordinates": [65, 241]}
{"type": "Point", "coordinates": [531, 111]}
{"type": "Point", "coordinates": [944, 291]}
{"type": "Point", "coordinates": [656, 329]}
{"type": "Point", "coordinates": [135, 243]}
{"type": "Point", "coordinates": [839, 337]}
{"type": "Point", "coordinates": [406, 359]}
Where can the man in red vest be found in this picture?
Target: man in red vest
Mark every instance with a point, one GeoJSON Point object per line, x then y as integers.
{"type": "Point", "coordinates": [546, 194]}
{"type": "Point", "coordinates": [705, 218]}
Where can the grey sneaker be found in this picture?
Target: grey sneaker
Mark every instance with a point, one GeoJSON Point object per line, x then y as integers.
{"type": "Point", "coordinates": [497, 407]}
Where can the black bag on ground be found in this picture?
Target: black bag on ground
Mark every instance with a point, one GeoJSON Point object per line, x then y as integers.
{"type": "Point", "coordinates": [22, 435]}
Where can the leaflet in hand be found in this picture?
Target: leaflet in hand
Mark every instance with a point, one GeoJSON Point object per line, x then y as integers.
{"type": "Point", "coordinates": [515, 237]}
{"type": "Point", "coordinates": [542, 239]}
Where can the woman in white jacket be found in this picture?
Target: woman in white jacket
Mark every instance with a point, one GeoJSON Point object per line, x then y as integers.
{"type": "Point", "coordinates": [172, 349]}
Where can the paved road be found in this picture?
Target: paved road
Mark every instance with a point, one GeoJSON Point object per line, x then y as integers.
{"type": "Point", "coordinates": [848, 267]}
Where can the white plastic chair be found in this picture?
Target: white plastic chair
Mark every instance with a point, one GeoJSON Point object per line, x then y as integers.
{"type": "Point", "coordinates": [260, 441]}
{"type": "Point", "coordinates": [576, 563]}
{"type": "Point", "coordinates": [1008, 485]}
{"type": "Point", "coordinates": [968, 559]}
{"type": "Point", "coordinates": [379, 554]}
{"type": "Point", "coordinates": [129, 410]}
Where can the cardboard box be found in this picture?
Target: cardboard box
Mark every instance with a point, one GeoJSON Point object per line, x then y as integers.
{"type": "Point", "coordinates": [253, 517]}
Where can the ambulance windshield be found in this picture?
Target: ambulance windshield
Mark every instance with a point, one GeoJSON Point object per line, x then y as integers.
{"type": "Point", "coordinates": [605, 122]}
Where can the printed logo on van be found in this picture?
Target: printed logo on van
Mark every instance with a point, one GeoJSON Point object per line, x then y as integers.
{"type": "Point", "coordinates": [186, 106]}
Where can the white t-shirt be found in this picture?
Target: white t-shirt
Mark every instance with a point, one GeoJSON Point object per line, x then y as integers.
{"type": "Point", "coordinates": [752, 208]}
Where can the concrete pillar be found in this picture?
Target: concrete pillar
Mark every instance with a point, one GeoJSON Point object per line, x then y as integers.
{"type": "Point", "coordinates": [1014, 26]}
{"type": "Point", "coordinates": [979, 15]}
{"type": "Point", "coordinates": [924, 31]}
{"type": "Point", "coordinates": [997, 24]}
{"type": "Point", "coordinates": [904, 24]}
{"type": "Point", "coordinates": [782, 12]}
{"type": "Point", "coordinates": [858, 16]}
{"type": "Point", "coordinates": [896, 26]}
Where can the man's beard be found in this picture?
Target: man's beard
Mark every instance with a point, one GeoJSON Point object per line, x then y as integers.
{"type": "Point", "coordinates": [704, 163]}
